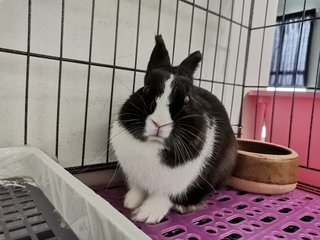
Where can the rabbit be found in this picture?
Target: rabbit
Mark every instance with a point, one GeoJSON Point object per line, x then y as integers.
{"type": "Point", "coordinates": [173, 140]}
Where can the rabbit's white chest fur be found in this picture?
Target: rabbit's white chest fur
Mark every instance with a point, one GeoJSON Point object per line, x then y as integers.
{"type": "Point", "coordinates": [142, 164]}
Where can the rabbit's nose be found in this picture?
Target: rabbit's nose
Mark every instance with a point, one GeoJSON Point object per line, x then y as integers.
{"type": "Point", "coordinates": [155, 123]}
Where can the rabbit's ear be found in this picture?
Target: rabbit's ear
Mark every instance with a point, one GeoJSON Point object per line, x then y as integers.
{"type": "Point", "coordinates": [190, 64]}
{"type": "Point", "coordinates": [159, 56]}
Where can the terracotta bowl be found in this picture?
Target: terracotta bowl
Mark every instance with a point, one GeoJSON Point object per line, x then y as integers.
{"type": "Point", "coordinates": [265, 168]}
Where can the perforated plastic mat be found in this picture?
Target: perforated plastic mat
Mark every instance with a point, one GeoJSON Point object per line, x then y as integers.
{"type": "Point", "coordinates": [26, 214]}
{"type": "Point", "coordinates": [230, 214]}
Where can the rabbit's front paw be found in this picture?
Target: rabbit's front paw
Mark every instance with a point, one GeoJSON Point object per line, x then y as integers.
{"type": "Point", "coordinates": [134, 198]}
{"type": "Point", "coordinates": [153, 209]}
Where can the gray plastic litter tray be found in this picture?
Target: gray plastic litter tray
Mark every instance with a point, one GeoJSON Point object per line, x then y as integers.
{"type": "Point", "coordinates": [26, 213]}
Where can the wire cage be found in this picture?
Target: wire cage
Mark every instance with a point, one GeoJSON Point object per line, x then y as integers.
{"type": "Point", "coordinates": [102, 48]}
{"type": "Point", "coordinates": [67, 66]}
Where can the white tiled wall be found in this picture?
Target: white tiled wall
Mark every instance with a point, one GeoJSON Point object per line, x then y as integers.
{"type": "Point", "coordinates": [12, 91]}
{"type": "Point", "coordinates": [148, 28]}
{"type": "Point", "coordinates": [98, 111]}
{"type": "Point", "coordinates": [45, 39]}
{"type": "Point", "coordinates": [209, 51]}
{"type": "Point", "coordinates": [104, 31]}
{"type": "Point", "coordinates": [256, 42]}
{"type": "Point", "coordinates": [76, 28]}
{"type": "Point", "coordinates": [13, 24]}
{"type": "Point", "coordinates": [232, 61]}
{"type": "Point", "coordinates": [43, 103]}
{"type": "Point", "coordinates": [72, 110]}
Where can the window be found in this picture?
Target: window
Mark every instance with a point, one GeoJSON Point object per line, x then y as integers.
{"type": "Point", "coordinates": [289, 68]}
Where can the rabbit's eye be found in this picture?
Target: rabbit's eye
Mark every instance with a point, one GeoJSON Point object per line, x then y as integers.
{"type": "Point", "coordinates": [146, 89]}
{"type": "Point", "coordinates": [186, 100]}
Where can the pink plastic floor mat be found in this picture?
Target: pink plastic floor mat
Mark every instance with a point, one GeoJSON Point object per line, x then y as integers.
{"type": "Point", "coordinates": [231, 215]}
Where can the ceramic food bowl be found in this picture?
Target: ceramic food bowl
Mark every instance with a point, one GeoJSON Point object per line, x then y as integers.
{"type": "Point", "coordinates": [265, 168]}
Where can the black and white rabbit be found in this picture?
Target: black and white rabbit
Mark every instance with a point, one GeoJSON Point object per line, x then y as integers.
{"type": "Point", "coordinates": [173, 140]}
